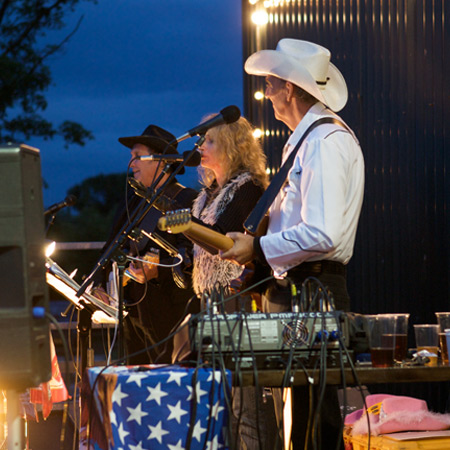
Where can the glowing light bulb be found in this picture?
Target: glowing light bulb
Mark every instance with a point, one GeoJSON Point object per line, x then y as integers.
{"type": "Point", "coordinates": [257, 133]}
{"type": "Point", "coordinates": [260, 18]}
{"type": "Point", "coordinates": [50, 248]}
{"type": "Point", "coordinates": [258, 95]}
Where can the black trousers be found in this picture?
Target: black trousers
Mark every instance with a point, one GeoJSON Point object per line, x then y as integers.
{"type": "Point", "coordinates": [277, 298]}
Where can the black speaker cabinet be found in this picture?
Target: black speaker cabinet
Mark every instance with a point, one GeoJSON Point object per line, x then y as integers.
{"type": "Point", "coordinates": [24, 329]}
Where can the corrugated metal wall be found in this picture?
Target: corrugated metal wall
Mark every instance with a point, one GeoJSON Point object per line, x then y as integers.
{"type": "Point", "coordinates": [395, 57]}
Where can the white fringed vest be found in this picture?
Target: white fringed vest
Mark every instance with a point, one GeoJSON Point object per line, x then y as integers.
{"type": "Point", "coordinates": [210, 269]}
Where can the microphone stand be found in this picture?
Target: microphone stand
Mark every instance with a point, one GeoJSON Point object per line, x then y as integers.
{"type": "Point", "coordinates": [84, 328]}
{"type": "Point", "coordinates": [114, 251]}
{"type": "Point", "coordinates": [50, 223]}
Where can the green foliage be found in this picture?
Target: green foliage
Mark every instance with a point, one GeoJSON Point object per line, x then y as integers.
{"type": "Point", "coordinates": [88, 220]}
{"type": "Point", "coordinates": [100, 193]}
{"type": "Point", "coordinates": [74, 133]}
{"type": "Point", "coordinates": [24, 77]}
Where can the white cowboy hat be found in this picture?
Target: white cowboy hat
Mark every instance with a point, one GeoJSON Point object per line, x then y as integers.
{"type": "Point", "coordinates": [304, 64]}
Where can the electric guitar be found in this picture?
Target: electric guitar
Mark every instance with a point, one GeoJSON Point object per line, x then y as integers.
{"type": "Point", "coordinates": [180, 221]}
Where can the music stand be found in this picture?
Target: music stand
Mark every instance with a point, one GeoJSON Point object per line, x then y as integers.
{"type": "Point", "coordinates": [91, 309]}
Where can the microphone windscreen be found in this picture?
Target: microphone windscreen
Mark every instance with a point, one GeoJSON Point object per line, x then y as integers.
{"type": "Point", "coordinates": [70, 200]}
{"type": "Point", "coordinates": [194, 160]}
{"type": "Point", "coordinates": [230, 114]}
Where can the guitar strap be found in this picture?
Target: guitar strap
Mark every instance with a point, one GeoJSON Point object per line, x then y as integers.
{"type": "Point", "coordinates": [173, 190]}
{"type": "Point", "coordinates": [167, 200]}
{"type": "Point", "coordinates": [263, 205]}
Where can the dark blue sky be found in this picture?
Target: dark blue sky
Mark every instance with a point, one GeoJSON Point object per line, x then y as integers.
{"type": "Point", "coordinates": [133, 63]}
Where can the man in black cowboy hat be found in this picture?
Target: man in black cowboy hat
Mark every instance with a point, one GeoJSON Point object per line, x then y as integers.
{"type": "Point", "coordinates": [154, 301]}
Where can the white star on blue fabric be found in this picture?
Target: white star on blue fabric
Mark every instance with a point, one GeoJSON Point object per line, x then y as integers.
{"type": "Point", "coordinates": [117, 369]}
{"type": "Point", "coordinates": [176, 447]}
{"type": "Point", "coordinates": [198, 431]}
{"type": "Point", "coordinates": [136, 414]}
{"type": "Point", "coordinates": [166, 426]}
{"type": "Point", "coordinates": [157, 432]}
{"type": "Point", "coordinates": [214, 444]}
{"type": "Point", "coordinates": [176, 412]}
{"type": "Point", "coordinates": [217, 376]}
{"type": "Point", "coordinates": [136, 447]}
{"type": "Point", "coordinates": [156, 394]}
{"type": "Point", "coordinates": [122, 433]}
{"type": "Point", "coordinates": [118, 395]}
{"type": "Point", "coordinates": [216, 410]}
{"type": "Point", "coordinates": [198, 391]}
{"type": "Point", "coordinates": [136, 378]}
{"type": "Point", "coordinates": [176, 376]}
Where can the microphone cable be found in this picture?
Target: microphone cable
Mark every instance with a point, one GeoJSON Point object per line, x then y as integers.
{"type": "Point", "coordinates": [255, 377]}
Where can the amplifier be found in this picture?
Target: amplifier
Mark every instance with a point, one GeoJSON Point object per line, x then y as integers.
{"type": "Point", "coordinates": [268, 339]}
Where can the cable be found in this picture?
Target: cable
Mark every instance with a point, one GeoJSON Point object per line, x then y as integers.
{"type": "Point", "coordinates": [358, 384]}
{"type": "Point", "coordinates": [193, 409]}
{"type": "Point", "coordinates": [208, 427]}
{"type": "Point", "coordinates": [255, 377]}
{"type": "Point", "coordinates": [143, 261]}
{"type": "Point", "coordinates": [314, 296]}
{"type": "Point", "coordinates": [220, 358]}
{"type": "Point", "coordinates": [322, 385]}
{"type": "Point", "coordinates": [113, 343]}
{"type": "Point", "coordinates": [193, 318]}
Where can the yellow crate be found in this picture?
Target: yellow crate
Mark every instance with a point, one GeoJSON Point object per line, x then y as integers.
{"type": "Point", "coordinates": [390, 443]}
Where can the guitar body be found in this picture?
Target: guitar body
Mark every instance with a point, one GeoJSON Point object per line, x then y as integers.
{"type": "Point", "coordinates": [180, 222]}
{"type": "Point", "coordinates": [262, 227]}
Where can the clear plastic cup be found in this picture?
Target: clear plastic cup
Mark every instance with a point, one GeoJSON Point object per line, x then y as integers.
{"type": "Point", "coordinates": [427, 338]}
{"type": "Point", "coordinates": [388, 338]}
{"type": "Point", "coordinates": [443, 320]}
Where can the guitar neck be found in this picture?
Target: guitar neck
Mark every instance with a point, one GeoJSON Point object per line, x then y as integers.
{"type": "Point", "coordinates": [209, 237]}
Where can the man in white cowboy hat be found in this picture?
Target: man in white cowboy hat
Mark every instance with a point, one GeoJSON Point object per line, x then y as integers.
{"type": "Point", "coordinates": [313, 217]}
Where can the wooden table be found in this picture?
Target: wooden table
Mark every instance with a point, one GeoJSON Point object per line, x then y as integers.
{"type": "Point", "coordinates": [365, 374]}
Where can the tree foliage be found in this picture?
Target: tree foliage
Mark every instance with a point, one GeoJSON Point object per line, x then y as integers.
{"type": "Point", "coordinates": [89, 219]}
{"type": "Point", "coordinates": [24, 76]}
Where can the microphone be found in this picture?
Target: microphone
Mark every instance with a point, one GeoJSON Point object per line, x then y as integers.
{"type": "Point", "coordinates": [229, 114]}
{"type": "Point", "coordinates": [192, 161]}
{"type": "Point", "coordinates": [68, 201]}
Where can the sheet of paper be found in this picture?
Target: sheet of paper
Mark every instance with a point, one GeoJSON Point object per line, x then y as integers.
{"type": "Point", "coordinates": [112, 285]}
{"type": "Point", "coordinates": [414, 435]}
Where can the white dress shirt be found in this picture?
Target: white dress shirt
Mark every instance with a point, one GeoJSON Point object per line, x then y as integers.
{"type": "Point", "coordinates": [315, 215]}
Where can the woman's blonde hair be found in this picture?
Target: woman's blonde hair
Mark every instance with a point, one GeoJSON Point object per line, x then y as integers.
{"type": "Point", "coordinates": [238, 150]}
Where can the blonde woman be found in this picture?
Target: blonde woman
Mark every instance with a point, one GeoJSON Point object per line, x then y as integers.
{"type": "Point", "coordinates": [233, 171]}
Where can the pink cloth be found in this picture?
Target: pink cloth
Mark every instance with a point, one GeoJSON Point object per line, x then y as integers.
{"type": "Point", "coordinates": [392, 413]}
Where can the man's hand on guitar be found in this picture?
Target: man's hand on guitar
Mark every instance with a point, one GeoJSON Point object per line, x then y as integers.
{"type": "Point", "coordinates": [142, 271]}
{"type": "Point", "coordinates": [242, 250]}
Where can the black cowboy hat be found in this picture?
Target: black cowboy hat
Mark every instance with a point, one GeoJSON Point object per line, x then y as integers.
{"type": "Point", "coordinates": [154, 137]}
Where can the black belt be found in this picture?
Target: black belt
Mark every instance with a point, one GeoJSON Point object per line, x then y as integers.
{"type": "Point", "coordinates": [313, 268]}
